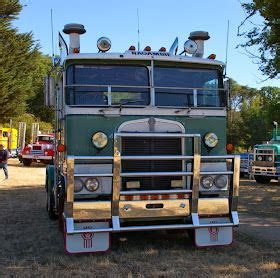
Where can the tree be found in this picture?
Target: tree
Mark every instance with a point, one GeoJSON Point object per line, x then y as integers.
{"type": "Point", "coordinates": [22, 68]}
{"type": "Point", "coordinates": [18, 53]}
{"type": "Point", "coordinates": [35, 104]}
{"type": "Point", "coordinates": [251, 114]}
{"type": "Point", "coordinates": [265, 37]}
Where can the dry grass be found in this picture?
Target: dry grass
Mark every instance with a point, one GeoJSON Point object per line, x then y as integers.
{"type": "Point", "coordinates": [31, 244]}
{"type": "Point", "coordinates": [260, 200]}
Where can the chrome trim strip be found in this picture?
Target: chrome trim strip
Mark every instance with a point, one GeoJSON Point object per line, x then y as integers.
{"type": "Point", "coordinates": [70, 230]}
{"type": "Point", "coordinates": [165, 135]}
{"type": "Point", "coordinates": [157, 157]}
{"type": "Point", "coordinates": [127, 193]}
{"type": "Point", "coordinates": [196, 175]}
{"type": "Point", "coordinates": [93, 175]}
{"type": "Point", "coordinates": [146, 111]}
{"type": "Point", "coordinates": [234, 190]}
{"type": "Point", "coordinates": [93, 157]}
{"type": "Point", "coordinates": [155, 174]}
{"type": "Point", "coordinates": [116, 176]}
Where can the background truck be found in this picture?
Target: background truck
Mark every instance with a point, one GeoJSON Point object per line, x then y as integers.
{"type": "Point", "coordinates": [246, 160]}
{"type": "Point", "coordinates": [140, 144]}
{"type": "Point", "coordinates": [41, 150]}
{"type": "Point", "coordinates": [9, 138]}
{"type": "Point", "coordinates": [266, 163]}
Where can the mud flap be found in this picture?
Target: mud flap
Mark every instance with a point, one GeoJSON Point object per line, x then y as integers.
{"type": "Point", "coordinates": [87, 242]}
{"type": "Point", "coordinates": [213, 236]}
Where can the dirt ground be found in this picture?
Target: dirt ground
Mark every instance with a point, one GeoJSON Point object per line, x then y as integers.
{"type": "Point", "coordinates": [31, 245]}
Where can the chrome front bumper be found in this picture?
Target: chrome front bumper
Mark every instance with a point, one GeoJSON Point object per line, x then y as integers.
{"type": "Point", "coordinates": [37, 157]}
{"type": "Point", "coordinates": [118, 210]}
{"type": "Point", "coordinates": [265, 171]}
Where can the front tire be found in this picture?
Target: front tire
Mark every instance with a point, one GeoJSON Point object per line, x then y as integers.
{"type": "Point", "coordinates": [26, 162]}
{"type": "Point", "coordinates": [263, 180]}
{"type": "Point", "coordinates": [50, 201]}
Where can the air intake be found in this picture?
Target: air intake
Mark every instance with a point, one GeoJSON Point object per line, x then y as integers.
{"type": "Point", "coordinates": [74, 30]}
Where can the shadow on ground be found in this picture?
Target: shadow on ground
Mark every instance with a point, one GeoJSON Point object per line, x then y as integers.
{"type": "Point", "coordinates": [31, 245]}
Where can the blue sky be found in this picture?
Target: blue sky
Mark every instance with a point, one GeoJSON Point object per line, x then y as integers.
{"type": "Point", "coordinates": [160, 22]}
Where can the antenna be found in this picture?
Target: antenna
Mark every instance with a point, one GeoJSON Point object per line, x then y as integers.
{"type": "Point", "coordinates": [52, 38]}
{"type": "Point", "coordinates": [138, 31]}
{"type": "Point", "coordinates": [226, 62]}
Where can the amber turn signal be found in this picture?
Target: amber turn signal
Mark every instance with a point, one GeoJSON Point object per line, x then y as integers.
{"type": "Point", "coordinates": [230, 147]}
{"type": "Point", "coordinates": [60, 148]}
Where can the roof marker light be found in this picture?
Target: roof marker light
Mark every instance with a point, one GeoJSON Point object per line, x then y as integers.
{"type": "Point", "coordinates": [212, 56]}
{"type": "Point", "coordinates": [162, 49]}
{"type": "Point", "coordinates": [132, 48]}
{"type": "Point", "coordinates": [147, 48]}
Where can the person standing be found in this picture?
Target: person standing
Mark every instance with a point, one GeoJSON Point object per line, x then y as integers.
{"type": "Point", "coordinates": [4, 156]}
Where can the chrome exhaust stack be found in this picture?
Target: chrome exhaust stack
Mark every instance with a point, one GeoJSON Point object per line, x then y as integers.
{"type": "Point", "coordinates": [74, 30]}
{"type": "Point", "coordinates": [199, 37]}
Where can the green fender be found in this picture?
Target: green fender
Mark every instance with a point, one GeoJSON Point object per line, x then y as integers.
{"type": "Point", "coordinates": [49, 177]}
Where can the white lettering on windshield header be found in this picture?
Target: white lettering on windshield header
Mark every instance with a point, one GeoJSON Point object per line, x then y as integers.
{"type": "Point", "coordinates": [150, 53]}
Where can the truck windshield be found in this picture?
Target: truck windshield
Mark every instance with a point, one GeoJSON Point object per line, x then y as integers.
{"type": "Point", "coordinates": [102, 85]}
{"type": "Point", "coordinates": [45, 139]}
{"type": "Point", "coordinates": [188, 87]}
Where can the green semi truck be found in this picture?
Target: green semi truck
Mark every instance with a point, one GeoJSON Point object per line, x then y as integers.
{"type": "Point", "coordinates": [140, 144]}
{"type": "Point", "coordinates": [266, 164]}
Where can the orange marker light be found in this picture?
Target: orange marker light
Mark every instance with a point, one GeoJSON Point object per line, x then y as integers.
{"type": "Point", "coordinates": [147, 48]}
{"type": "Point", "coordinates": [76, 50]}
{"type": "Point", "coordinates": [230, 147]}
{"type": "Point", "coordinates": [212, 56]}
{"type": "Point", "coordinates": [61, 148]}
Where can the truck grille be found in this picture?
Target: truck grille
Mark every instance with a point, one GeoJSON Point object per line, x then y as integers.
{"type": "Point", "coordinates": [151, 146]}
{"type": "Point", "coordinates": [264, 157]}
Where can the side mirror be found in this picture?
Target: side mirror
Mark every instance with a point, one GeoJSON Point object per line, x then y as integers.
{"type": "Point", "coordinates": [227, 90]}
{"type": "Point", "coordinates": [49, 91]}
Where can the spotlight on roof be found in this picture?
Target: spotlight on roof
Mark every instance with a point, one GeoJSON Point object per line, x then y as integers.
{"type": "Point", "coordinates": [103, 44]}
{"type": "Point", "coordinates": [190, 47]}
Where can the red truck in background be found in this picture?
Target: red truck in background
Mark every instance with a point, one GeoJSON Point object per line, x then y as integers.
{"type": "Point", "coordinates": [42, 150]}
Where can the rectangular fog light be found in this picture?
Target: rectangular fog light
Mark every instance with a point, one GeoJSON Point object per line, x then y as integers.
{"type": "Point", "coordinates": [132, 184]}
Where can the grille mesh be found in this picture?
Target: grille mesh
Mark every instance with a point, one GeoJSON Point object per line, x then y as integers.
{"type": "Point", "coordinates": [151, 146]}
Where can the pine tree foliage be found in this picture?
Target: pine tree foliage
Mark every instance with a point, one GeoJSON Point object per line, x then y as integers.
{"type": "Point", "coordinates": [22, 67]}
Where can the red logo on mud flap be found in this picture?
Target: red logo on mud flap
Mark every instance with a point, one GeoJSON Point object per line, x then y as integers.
{"type": "Point", "coordinates": [87, 237]}
{"type": "Point", "coordinates": [214, 233]}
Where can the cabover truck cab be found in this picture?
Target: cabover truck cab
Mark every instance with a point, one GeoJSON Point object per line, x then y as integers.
{"type": "Point", "coordinates": [140, 145]}
{"type": "Point", "coordinates": [266, 163]}
{"type": "Point", "coordinates": [42, 150]}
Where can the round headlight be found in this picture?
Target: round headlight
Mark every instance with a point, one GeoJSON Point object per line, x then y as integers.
{"type": "Point", "coordinates": [211, 139]}
{"type": "Point", "coordinates": [206, 182]}
{"type": "Point", "coordinates": [78, 185]}
{"type": "Point", "coordinates": [99, 140]}
{"type": "Point", "coordinates": [270, 158]}
{"type": "Point", "coordinates": [92, 184]}
{"type": "Point", "coordinates": [260, 158]}
{"type": "Point", "coordinates": [220, 181]}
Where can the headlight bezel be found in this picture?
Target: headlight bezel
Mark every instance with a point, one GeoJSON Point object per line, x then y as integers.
{"type": "Point", "coordinates": [204, 178]}
{"type": "Point", "coordinates": [96, 139]}
{"type": "Point", "coordinates": [91, 179]}
{"type": "Point", "coordinates": [270, 158]}
{"type": "Point", "coordinates": [216, 181]}
{"type": "Point", "coordinates": [207, 140]}
{"type": "Point", "coordinates": [81, 183]}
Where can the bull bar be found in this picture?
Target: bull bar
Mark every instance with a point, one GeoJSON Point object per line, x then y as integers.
{"type": "Point", "coordinates": [194, 206]}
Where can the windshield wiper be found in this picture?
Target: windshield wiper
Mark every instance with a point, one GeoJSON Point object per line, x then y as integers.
{"type": "Point", "coordinates": [129, 101]}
